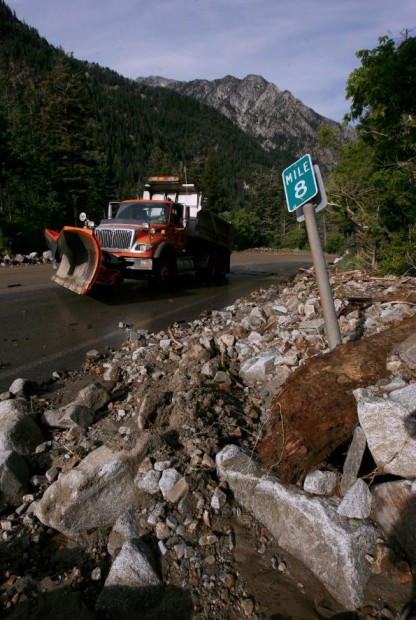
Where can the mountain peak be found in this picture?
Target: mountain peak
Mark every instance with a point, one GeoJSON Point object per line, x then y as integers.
{"type": "Point", "coordinates": [260, 109]}
{"type": "Point", "coordinates": [157, 80]}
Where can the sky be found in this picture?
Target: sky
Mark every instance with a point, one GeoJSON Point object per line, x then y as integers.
{"type": "Point", "coordinates": [305, 46]}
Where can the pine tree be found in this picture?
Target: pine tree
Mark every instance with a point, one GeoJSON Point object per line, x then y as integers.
{"type": "Point", "coordinates": [212, 183]}
{"type": "Point", "coordinates": [70, 159]}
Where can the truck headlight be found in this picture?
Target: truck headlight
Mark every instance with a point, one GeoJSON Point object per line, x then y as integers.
{"type": "Point", "coordinates": [143, 247]}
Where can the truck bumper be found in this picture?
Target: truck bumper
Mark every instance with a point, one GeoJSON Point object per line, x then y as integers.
{"type": "Point", "coordinates": [138, 264]}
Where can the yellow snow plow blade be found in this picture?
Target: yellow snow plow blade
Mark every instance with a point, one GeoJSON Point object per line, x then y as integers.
{"type": "Point", "coordinates": [78, 256]}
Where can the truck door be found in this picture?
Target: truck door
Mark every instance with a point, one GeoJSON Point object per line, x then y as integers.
{"type": "Point", "coordinates": [178, 229]}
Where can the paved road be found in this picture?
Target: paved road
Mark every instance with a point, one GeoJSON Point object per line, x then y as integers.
{"type": "Point", "coordinates": [44, 327]}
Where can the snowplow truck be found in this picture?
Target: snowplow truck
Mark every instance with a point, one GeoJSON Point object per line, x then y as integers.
{"type": "Point", "coordinates": [157, 237]}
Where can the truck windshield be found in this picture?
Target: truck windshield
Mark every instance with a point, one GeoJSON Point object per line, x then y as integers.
{"type": "Point", "coordinates": [143, 212]}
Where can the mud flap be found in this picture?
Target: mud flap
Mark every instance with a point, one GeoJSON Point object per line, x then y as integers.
{"type": "Point", "coordinates": [79, 258]}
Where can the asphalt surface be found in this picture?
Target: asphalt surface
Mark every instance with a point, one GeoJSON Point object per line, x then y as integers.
{"type": "Point", "coordinates": [45, 327]}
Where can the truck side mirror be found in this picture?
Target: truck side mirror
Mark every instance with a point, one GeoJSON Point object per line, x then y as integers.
{"type": "Point", "coordinates": [186, 217]}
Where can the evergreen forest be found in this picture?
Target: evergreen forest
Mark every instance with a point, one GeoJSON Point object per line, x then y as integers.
{"type": "Point", "coordinates": [75, 135]}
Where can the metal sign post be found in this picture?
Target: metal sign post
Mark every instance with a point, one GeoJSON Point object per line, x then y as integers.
{"type": "Point", "coordinates": [327, 301]}
{"type": "Point", "coordinates": [301, 185]}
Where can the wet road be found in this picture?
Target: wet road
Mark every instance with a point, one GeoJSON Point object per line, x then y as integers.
{"type": "Point", "coordinates": [44, 327]}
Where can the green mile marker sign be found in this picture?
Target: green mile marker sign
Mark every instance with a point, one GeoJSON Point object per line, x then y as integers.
{"type": "Point", "coordinates": [299, 183]}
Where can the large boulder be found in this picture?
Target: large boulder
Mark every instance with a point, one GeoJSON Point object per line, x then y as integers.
{"type": "Point", "coordinates": [333, 547]}
{"type": "Point", "coordinates": [93, 494]}
{"type": "Point", "coordinates": [18, 430]}
{"type": "Point", "coordinates": [389, 427]}
{"type": "Point", "coordinates": [132, 582]}
{"type": "Point", "coordinates": [69, 416]}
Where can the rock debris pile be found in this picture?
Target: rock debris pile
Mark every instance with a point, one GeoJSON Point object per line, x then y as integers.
{"type": "Point", "coordinates": [33, 258]}
{"type": "Point", "coordinates": [133, 488]}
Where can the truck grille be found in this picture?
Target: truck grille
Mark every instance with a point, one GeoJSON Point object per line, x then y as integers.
{"type": "Point", "coordinates": [115, 239]}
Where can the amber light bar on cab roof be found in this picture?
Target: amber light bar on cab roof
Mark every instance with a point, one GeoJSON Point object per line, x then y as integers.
{"type": "Point", "coordinates": [164, 179]}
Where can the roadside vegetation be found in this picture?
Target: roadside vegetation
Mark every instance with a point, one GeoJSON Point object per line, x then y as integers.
{"type": "Point", "coordinates": [75, 136]}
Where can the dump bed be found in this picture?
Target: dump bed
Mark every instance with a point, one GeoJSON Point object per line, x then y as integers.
{"type": "Point", "coordinates": [212, 228]}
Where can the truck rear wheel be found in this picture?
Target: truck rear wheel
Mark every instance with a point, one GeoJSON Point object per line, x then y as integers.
{"type": "Point", "coordinates": [217, 266]}
{"type": "Point", "coordinates": [221, 267]}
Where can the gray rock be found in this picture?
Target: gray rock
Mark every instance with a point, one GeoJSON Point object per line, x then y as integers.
{"type": "Point", "coordinates": [257, 317]}
{"type": "Point", "coordinates": [150, 482]}
{"type": "Point", "coordinates": [406, 396]}
{"type": "Point", "coordinates": [69, 416]}
{"type": "Point", "coordinates": [93, 396]}
{"type": "Point", "coordinates": [222, 377]}
{"type": "Point", "coordinates": [168, 480]}
{"type": "Point", "coordinates": [14, 477]}
{"type": "Point", "coordinates": [210, 368]}
{"type": "Point", "coordinates": [225, 342]}
{"type": "Point", "coordinates": [407, 352]}
{"type": "Point", "coordinates": [125, 528]}
{"type": "Point", "coordinates": [314, 326]}
{"type": "Point", "coordinates": [218, 499]}
{"type": "Point", "coordinates": [258, 367]}
{"type": "Point", "coordinates": [132, 582]}
{"type": "Point", "coordinates": [357, 501]}
{"type": "Point", "coordinates": [353, 459]}
{"type": "Point", "coordinates": [24, 387]}
{"type": "Point", "coordinates": [181, 550]}
{"type": "Point", "coordinates": [309, 309]}
{"type": "Point", "coordinates": [93, 494]}
{"type": "Point", "coordinates": [162, 531]}
{"type": "Point", "coordinates": [47, 256]}
{"type": "Point", "coordinates": [389, 429]}
{"type": "Point", "coordinates": [18, 431]}
{"type": "Point", "coordinates": [320, 482]}
{"type": "Point", "coordinates": [111, 372]}
{"type": "Point", "coordinates": [291, 358]}
{"type": "Point", "coordinates": [254, 338]}
{"type": "Point", "coordinates": [332, 547]}
{"type": "Point", "coordinates": [93, 354]}
{"type": "Point", "coordinates": [156, 513]}
{"type": "Point", "coordinates": [178, 491]}
{"type": "Point", "coordinates": [162, 465]}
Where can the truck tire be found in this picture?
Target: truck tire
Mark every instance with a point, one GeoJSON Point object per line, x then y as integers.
{"type": "Point", "coordinates": [164, 274]}
{"type": "Point", "coordinates": [217, 266]}
{"type": "Point", "coordinates": [221, 266]}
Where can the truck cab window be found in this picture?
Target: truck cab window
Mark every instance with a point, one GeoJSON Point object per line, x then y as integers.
{"type": "Point", "coordinates": [132, 212]}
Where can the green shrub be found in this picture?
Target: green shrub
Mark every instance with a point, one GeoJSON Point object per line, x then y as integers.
{"type": "Point", "coordinates": [296, 239]}
{"type": "Point", "coordinates": [335, 243]}
{"type": "Point", "coordinates": [397, 255]}
{"type": "Point", "coordinates": [246, 229]}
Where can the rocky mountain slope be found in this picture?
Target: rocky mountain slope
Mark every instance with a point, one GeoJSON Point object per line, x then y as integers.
{"type": "Point", "coordinates": [279, 121]}
{"type": "Point", "coordinates": [134, 484]}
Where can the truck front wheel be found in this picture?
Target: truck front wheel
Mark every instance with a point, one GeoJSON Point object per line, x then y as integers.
{"type": "Point", "coordinates": [164, 274]}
